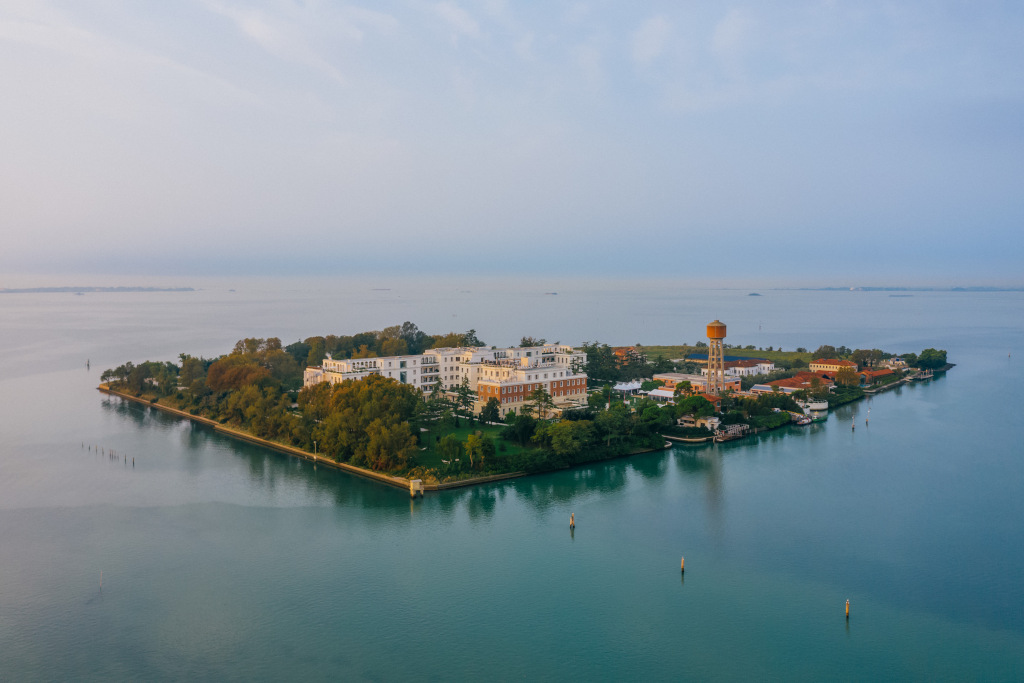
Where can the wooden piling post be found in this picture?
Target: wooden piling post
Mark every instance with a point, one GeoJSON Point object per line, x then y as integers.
{"type": "Point", "coordinates": [847, 609]}
{"type": "Point", "coordinates": [682, 564]}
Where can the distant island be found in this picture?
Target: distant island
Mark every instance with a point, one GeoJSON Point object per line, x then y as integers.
{"type": "Point", "coordinates": [89, 290]}
{"type": "Point", "coordinates": [904, 289]}
{"type": "Point", "coordinates": [434, 411]}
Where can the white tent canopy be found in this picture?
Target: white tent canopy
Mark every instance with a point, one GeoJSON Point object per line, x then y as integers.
{"type": "Point", "coordinates": [627, 386]}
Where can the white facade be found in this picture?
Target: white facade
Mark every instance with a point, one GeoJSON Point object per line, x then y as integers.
{"type": "Point", "coordinates": [504, 373]}
{"type": "Point", "coordinates": [745, 369]}
{"type": "Point", "coordinates": [698, 383]}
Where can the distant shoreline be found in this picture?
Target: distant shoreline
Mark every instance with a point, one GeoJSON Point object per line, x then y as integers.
{"type": "Point", "coordinates": [91, 290]}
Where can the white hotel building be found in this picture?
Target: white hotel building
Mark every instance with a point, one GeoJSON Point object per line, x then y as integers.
{"type": "Point", "coordinates": [508, 375]}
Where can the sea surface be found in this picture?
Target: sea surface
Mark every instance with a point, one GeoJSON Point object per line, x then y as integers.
{"type": "Point", "coordinates": [223, 561]}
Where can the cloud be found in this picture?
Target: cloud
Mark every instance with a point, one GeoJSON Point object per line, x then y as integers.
{"type": "Point", "coordinates": [732, 39]}
{"type": "Point", "coordinates": [650, 39]}
{"type": "Point", "coordinates": [291, 34]}
{"type": "Point", "coordinates": [458, 19]}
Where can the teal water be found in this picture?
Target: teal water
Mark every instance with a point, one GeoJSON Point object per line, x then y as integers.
{"type": "Point", "coordinates": [223, 561]}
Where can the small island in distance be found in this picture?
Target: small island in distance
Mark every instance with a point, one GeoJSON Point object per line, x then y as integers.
{"type": "Point", "coordinates": [83, 290]}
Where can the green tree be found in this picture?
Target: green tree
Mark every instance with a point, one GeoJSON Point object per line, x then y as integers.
{"type": "Point", "coordinates": [395, 346]}
{"type": "Point", "coordinates": [540, 401]}
{"type": "Point", "coordinates": [473, 447]}
{"type": "Point", "coordinates": [520, 429]}
{"type": "Point", "coordinates": [847, 377]}
{"type": "Point", "coordinates": [464, 398]}
{"type": "Point", "coordinates": [449, 448]}
{"type": "Point", "coordinates": [232, 372]}
{"type": "Point", "coordinates": [613, 423]}
{"type": "Point", "coordinates": [698, 406]}
{"type": "Point", "coordinates": [363, 419]}
{"type": "Point", "coordinates": [470, 339]}
{"type": "Point", "coordinates": [192, 369]}
{"type": "Point", "coordinates": [491, 412]}
{"type": "Point", "coordinates": [317, 351]}
{"type": "Point", "coordinates": [826, 351]}
{"type": "Point", "coordinates": [444, 341]}
{"type": "Point", "coordinates": [602, 363]}
{"type": "Point", "coordinates": [931, 359]}
{"type": "Point", "coordinates": [388, 447]}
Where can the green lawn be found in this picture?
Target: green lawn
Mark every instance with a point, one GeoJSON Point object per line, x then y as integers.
{"type": "Point", "coordinates": [679, 351]}
{"type": "Point", "coordinates": [429, 458]}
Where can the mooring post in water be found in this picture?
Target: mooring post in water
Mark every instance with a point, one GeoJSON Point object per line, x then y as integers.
{"type": "Point", "coordinates": [847, 608]}
{"type": "Point", "coordinates": [572, 520]}
{"type": "Point", "coordinates": [682, 564]}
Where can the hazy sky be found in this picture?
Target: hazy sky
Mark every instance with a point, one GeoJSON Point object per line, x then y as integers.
{"type": "Point", "coordinates": [867, 140]}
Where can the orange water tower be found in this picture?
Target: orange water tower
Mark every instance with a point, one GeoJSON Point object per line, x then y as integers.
{"type": "Point", "coordinates": [716, 358]}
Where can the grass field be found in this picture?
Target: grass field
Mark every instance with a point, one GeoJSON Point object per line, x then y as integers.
{"type": "Point", "coordinates": [431, 458]}
{"type": "Point", "coordinates": [680, 351]}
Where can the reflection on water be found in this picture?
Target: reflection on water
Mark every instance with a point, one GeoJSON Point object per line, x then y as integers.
{"type": "Point", "coordinates": [203, 449]}
{"type": "Point", "coordinates": [228, 560]}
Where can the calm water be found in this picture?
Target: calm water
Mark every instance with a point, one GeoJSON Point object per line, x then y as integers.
{"type": "Point", "coordinates": [223, 561]}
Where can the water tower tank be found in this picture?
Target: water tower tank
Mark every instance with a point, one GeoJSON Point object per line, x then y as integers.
{"type": "Point", "coordinates": [716, 330]}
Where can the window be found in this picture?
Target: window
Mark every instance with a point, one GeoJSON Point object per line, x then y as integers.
{"type": "Point", "coordinates": [401, 363]}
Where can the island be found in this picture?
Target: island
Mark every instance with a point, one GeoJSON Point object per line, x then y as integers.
{"type": "Point", "coordinates": [84, 290]}
{"type": "Point", "coordinates": [427, 412]}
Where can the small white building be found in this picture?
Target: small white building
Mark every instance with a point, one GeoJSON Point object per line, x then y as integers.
{"type": "Point", "coordinates": [745, 368]}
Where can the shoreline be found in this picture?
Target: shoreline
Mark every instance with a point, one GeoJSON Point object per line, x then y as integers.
{"type": "Point", "coordinates": [390, 480]}
{"type": "Point", "coordinates": [407, 484]}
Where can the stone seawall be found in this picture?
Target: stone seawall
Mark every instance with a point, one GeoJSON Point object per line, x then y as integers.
{"type": "Point", "coordinates": [397, 482]}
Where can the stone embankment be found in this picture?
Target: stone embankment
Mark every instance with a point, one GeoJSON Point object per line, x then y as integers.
{"type": "Point", "coordinates": [397, 482]}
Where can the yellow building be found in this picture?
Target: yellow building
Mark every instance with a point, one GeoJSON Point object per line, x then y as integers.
{"type": "Point", "coordinates": [831, 365]}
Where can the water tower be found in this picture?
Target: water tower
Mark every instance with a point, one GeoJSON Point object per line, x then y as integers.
{"type": "Point", "coordinates": [716, 360]}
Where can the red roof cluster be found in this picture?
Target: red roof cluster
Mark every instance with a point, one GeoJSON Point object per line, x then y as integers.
{"type": "Point", "coordinates": [802, 380]}
{"type": "Point", "coordinates": [835, 361]}
{"type": "Point", "coordinates": [742, 363]}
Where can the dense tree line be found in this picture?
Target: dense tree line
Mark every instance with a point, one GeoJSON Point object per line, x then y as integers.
{"type": "Point", "coordinates": [376, 422]}
{"type": "Point", "coordinates": [372, 423]}
{"type": "Point", "coordinates": [604, 366]}
{"type": "Point", "coordinates": [398, 340]}
{"type": "Point", "coordinates": [363, 422]}
{"type": "Point", "coordinates": [929, 359]}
